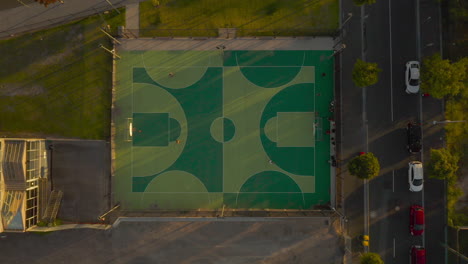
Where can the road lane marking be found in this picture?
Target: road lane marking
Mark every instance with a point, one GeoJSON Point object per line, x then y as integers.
{"type": "Point", "coordinates": [418, 31]}
{"type": "Point", "coordinates": [418, 43]}
{"type": "Point", "coordinates": [364, 117]}
{"type": "Point", "coordinates": [393, 181]}
{"type": "Point", "coordinates": [394, 248]}
{"type": "Point", "coordinates": [424, 233]}
{"type": "Point", "coordinates": [391, 57]}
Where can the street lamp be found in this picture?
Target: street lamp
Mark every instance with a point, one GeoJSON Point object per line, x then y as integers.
{"type": "Point", "coordinates": [338, 50]}
{"type": "Point", "coordinates": [350, 15]}
{"type": "Point", "coordinates": [447, 121]}
{"type": "Point", "coordinates": [21, 2]}
{"type": "Point", "coordinates": [427, 19]}
{"type": "Point", "coordinates": [338, 213]}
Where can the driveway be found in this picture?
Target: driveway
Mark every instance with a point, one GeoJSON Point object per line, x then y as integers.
{"type": "Point", "coordinates": [272, 240]}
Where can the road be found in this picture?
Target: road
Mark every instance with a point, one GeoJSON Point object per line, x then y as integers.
{"type": "Point", "coordinates": [16, 18]}
{"type": "Point", "coordinates": [375, 121]}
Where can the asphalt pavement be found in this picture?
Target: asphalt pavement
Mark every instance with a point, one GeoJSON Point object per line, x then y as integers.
{"type": "Point", "coordinates": [375, 118]}
{"type": "Point", "coordinates": [20, 16]}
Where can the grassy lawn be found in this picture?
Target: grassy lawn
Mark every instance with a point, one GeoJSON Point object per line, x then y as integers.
{"type": "Point", "coordinates": [251, 17]}
{"type": "Point", "coordinates": [58, 82]}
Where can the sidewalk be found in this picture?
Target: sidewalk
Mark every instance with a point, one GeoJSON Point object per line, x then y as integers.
{"type": "Point", "coordinates": [35, 16]}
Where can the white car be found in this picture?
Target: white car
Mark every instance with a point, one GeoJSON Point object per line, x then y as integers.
{"type": "Point", "coordinates": [412, 77]}
{"type": "Point", "coordinates": [415, 176]}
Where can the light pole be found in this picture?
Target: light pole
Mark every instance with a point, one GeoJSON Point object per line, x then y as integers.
{"type": "Point", "coordinates": [112, 51]}
{"type": "Point", "coordinates": [338, 213]}
{"type": "Point", "coordinates": [113, 6]}
{"type": "Point", "coordinates": [21, 2]}
{"type": "Point", "coordinates": [427, 19]}
{"type": "Point", "coordinates": [338, 50]}
{"type": "Point", "coordinates": [447, 121]}
{"type": "Point", "coordinates": [109, 35]}
{"type": "Point", "coordinates": [350, 15]}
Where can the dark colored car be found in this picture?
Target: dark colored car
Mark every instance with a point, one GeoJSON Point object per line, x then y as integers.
{"type": "Point", "coordinates": [416, 220]}
{"type": "Point", "coordinates": [418, 255]}
{"type": "Point", "coordinates": [414, 137]}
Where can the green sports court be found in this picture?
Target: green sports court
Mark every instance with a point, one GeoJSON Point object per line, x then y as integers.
{"type": "Point", "coordinates": [207, 129]}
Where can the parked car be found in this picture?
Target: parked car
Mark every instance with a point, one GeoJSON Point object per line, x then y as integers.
{"type": "Point", "coordinates": [412, 77]}
{"type": "Point", "coordinates": [416, 220]}
{"type": "Point", "coordinates": [415, 176]}
{"type": "Point", "coordinates": [418, 255]}
{"type": "Point", "coordinates": [414, 137]}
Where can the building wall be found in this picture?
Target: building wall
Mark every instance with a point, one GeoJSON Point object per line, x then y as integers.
{"type": "Point", "coordinates": [23, 164]}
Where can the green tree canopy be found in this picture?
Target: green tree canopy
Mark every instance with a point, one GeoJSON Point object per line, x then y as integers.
{"type": "Point", "coordinates": [441, 77]}
{"type": "Point", "coordinates": [371, 258]}
{"type": "Point", "coordinates": [364, 166]}
{"type": "Point", "coordinates": [365, 73]}
{"type": "Point", "coordinates": [443, 164]}
{"type": "Point", "coordinates": [47, 2]}
{"type": "Point", "coordinates": [364, 2]}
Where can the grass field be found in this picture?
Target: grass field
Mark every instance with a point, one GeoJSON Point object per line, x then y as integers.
{"type": "Point", "coordinates": [251, 17]}
{"type": "Point", "coordinates": [58, 82]}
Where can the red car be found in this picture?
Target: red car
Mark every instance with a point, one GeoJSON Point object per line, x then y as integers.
{"type": "Point", "coordinates": [418, 255]}
{"type": "Point", "coordinates": [416, 220]}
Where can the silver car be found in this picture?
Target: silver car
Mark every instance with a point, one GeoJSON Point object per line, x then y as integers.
{"type": "Point", "coordinates": [412, 77]}
{"type": "Point", "coordinates": [415, 176]}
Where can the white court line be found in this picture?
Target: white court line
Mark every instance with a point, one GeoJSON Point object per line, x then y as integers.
{"type": "Point", "coordinates": [231, 192]}
{"type": "Point", "coordinates": [223, 116]}
{"type": "Point", "coordinates": [131, 142]}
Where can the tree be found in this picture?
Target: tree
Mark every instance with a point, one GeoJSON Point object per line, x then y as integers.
{"type": "Point", "coordinates": [364, 2]}
{"type": "Point", "coordinates": [440, 77]}
{"type": "Point", "coordinates": [443, 164]}
{"type": "Point", "coordinates": [365, 73]}
{"type": "Point", "coordinates": [371, 258]}
{"type": "Point", "coordinates": [364, 166]}
{"type": "Point", "coordinates": [47, 2]}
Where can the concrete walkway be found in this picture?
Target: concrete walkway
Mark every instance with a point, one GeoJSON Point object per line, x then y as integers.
{"type": "Point", "coordinates": [287, 43]}
{"type": "Point", "coordinates": [132, 18]}
{"type": "Point", "coordinates": [35, 16]}
{"type": "Point", "coordinates": [70, 226]}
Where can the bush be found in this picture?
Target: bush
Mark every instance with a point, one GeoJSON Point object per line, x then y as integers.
{"type": "Point", "coordinates": [57, 222]}
{"type": "Point", "coordinates": [441, 77]}
{"type": "Point", "coordinates": [371, 258]}
{"type": "Point", "coordinates": [364, 2]}
{"type": "Point", "coordinates": [365, 73]}
{"type": "Point", "coordinates": [443, 164]}
{"type": "Point", "coordinates": [41, 223]}
{"type": "Point", "coordinates": [364, 166]}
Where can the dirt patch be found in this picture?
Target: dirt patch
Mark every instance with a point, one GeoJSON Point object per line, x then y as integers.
{"type": "Point", "coordinates": [21, 89]}
{"type": "Point", "coordinates": [56, 58]}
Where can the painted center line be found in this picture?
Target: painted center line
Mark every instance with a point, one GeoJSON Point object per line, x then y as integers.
{"type": "Point", "coordinates": [391, 57]}
{"type": "Point", "coordinates": [394, 254]}
{"type": "Point", "coordinates": [393, 181]}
